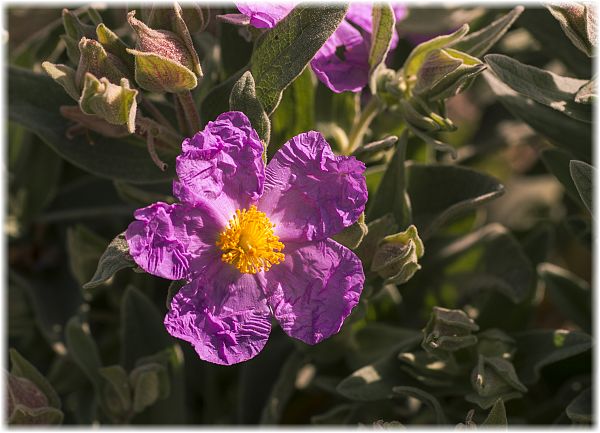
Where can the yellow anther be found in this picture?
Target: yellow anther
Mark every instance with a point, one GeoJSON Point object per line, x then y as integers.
{"type": "Point", "coordinates": [248, 242]}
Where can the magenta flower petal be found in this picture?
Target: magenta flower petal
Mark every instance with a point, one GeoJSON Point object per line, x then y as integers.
{"type": "Point", "coordinates": [225, 318]}
{"type": "Point", "coordinates": [221, 164]}
{"type": "Point", "coordinates": [315, 289]}
{"type": "Point", "coordinates": [264, 15]}
{"type": "Point", "coordinates": [310, 193]}
{"type": "Point", "coordinates": [173, 241]}
{"type": "Point", "coordinates": [342, 64]}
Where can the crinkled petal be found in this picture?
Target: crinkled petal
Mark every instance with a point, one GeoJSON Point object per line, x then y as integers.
{"type": "Point", "coordinates": [221, 165]}
{"type": "Point", "coordinates": [226, 317]}
{"type": "Point", "coordinates": [314, 289]}
{"type": "Point", "coordinates": [310, 193]}
{"type": "Point", "coordinates": [342, 63]}
{"type": "Point", "coordinates": [174, 241]}
{"type": "Point", "coordinates": [265, 14]}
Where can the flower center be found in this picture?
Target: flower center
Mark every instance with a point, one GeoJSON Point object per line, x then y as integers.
{"type": "Point", "coordinates": [248, 242]}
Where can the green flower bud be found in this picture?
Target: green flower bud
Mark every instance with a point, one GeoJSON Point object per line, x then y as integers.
{"type": "Point", "coordinates": [115, 104]}
{"type": "Point", "coordinates": [396, 258]}
{"type": "Point", "coordinates": [115, 46]}
{"type": "Point", "coordinates": [494, 378]}
{"type": "Point", "coordinates": [445, 73]}
{"type": "Point", "coordinates": [94, 59]}
{"type": "Point", "coordinates": [448, 331]}
{"type": "Point", "coordinates": [578, 21]}
{"type": "Point", "coordinates": [74, 31]}
{"type": "Point", "coordinates": [163, 61]}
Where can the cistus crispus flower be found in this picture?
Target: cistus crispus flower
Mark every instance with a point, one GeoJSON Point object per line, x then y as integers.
{"type": "Point", "coordinates": [254, 241]}
{"type": "Point", "coordinates": [342, 63]}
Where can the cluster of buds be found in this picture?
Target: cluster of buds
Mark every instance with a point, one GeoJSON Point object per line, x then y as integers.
{"type": "Point", "coordinates": [432, 73]}
{"type": "Point", "coordinates": [108, 74]}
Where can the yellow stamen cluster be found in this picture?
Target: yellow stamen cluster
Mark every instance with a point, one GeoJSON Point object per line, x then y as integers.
{"type": "Point", "coordinates": [248, 242]}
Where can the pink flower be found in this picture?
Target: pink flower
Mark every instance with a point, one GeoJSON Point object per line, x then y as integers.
{"type": "Point", "coordinates": [254, 241]}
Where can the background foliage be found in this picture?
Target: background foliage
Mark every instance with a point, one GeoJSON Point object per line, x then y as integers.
{"type": "Point", "coordinates": [490, 324]}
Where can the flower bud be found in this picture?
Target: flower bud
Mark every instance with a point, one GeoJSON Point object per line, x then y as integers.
{"type": "Point", "coordinates": [94, 59]}
{"type": "Point", "coordinates": [578, 21]}
{"type": "Point", "coordinates": [27, 404]}
{"type": "Point", "coordinates": [448, 331]}
{"type": "Point", "coordinates": [163, 61]}
{"type": "Point", "coordinates": [115, 104]}
{"type": "Point", "coordinates": [445, 73]}
{"type": "Point", "coordinates": [63, 75]}
{"type": "Point", "coordinates": [396, 258]}
{"type": "Point", "coordinates": [74, 31]}
{"type": "Point", "coordinates": [494, 378]}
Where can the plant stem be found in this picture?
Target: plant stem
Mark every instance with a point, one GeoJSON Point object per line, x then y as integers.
{"type": "Point", "coordinates": [360, 126]}
{"type": "Point", "coordinates": [159, 132]}
{"type": "Point", "coordinates": [190, 112]}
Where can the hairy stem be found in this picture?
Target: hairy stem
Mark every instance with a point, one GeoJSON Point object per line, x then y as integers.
{"type": "Point", "coordinates": [190, 112]}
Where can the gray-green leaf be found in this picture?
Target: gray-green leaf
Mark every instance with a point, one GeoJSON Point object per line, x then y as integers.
{"type": "Point", "coordinates": [583, 175]}
{"type": "Point", "coordinates": [115, 258]}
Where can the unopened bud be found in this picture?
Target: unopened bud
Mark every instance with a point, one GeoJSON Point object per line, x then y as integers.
{"type": "Point", "coordinates": [397, 256]}
{"type": "Point", "coordinates": [448, 331]}
{"type": "Point", "coordinates": [494, 378]}
{"type": "Point", "coordinates": [95, 60]}
{"type": "Point", "coordinates": [115, 104]}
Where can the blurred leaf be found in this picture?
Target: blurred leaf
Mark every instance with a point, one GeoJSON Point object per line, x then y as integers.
{"type": "Point", "coordinates": [85, 248]}
{"type": "Point", "coordinates": [542, 86]}
{"type": "Point", "coordinates": [557, 162]}
{"type": "Point", "coordinates": [375, 381]}
{"type": "Point", "coordinates": [243, 98]}
{"type": "Point", "coordinates": [572, 134]}
{"type": "Point", "coordinates": [569, 293]}
{"type": "Point", "coordinates": [582, 175]}
{"type": "Point", "coordinates": [142, 327]}
{"type": "Point", "coordinates": [116, 391]}
{"type": "Point", "coordinates": [377, 340]}
{"type": "Point", "coordinates": [497, 415]}
{"type": "Point", "coordinates": [148, 387]}
{"type": "Point", "coordinates": [83, 350]}
{"type": "Point", "coordinates": [539, 348]}
{"type": "Point", "coordinates": [578, 21]}
{"type": "Point", "coordinates": [426, 398]}
{"type": "Point", "coordinates": [500, 263]}
{"type": "Point", "coordinates": [587, 93]}
{"type": "Point", "coordinates": [440, 192]}
{"type": "Point", "coordinates": [36, 182]}
{"type": "Point", "coordinates": [34, 102]}
{"type": "Point", "coordinates": [478, 43]}
{"type": "Point", "coordinates": [384, 23]}
{"type": "Point", "coordinates": [283, 389]}
{"type": "Point", "coordinates": [552, 41]}
{"type": "Point", "coordinates": [143, 336]}
{"type": "Point", "coordinates": [580, 410]}
{"type": "Point", "coordinates": [115, 257]}
{"type": "Point", "coordinates": [338, 415]}
{"type": "Point", "coordinates": [283, 52]}
{"type": "Point", "coordinates": [20, 367]}
{"type": "Point", "coordinates": [391, 194]}
{"type": "Point", "coordinates": [141, 196]}
{"type": "Point", "coordinates": [352, 236]}
{"type": "Point", "coordinates": [295, 112]}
